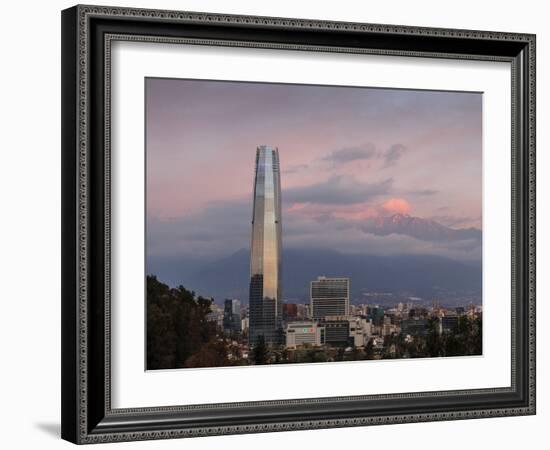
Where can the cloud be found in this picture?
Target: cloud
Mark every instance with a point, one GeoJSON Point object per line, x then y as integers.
{"type": "Point", "coordinates": [337, 190]}
{"type": "Point", "coordinates": [393, 154]}
{"type": "Point", "coordinates": [216, 229]}
{"type": "Point", "coordinates": [222, 228]}
{"type": "Point", "coordinates": [366, 152]}
{"type": "Point", "coordinates": [355, 226]}
{"type": "Point", "coordinates": [423, 192]}
{"type": "Point", "coordinates": [350, 212]}
{"type": "Point", "coordinates": [397, 206]}
{"type": "Point", "coordinates": [421, 229]}
{"type": "Point", "coordinates": [324, 212]}
{"type": "Point", "coordinates": [295, 168]}
{"type": "Point", "coordinates": [349, 154]}
{"type": "Point", "coordinates": [456, 221]}
{"type": "Point", "coordinates": [351, 237]}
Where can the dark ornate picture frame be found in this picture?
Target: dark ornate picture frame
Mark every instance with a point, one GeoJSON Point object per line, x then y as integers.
{"type": "Point", "coordinates": [87, 34]}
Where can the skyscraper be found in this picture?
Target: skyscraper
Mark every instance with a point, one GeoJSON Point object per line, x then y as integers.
{"type": "Point", "coordinates": [329, 297]}
{"type": "Point", "coordinates": [265, 301]}
{"type": "Point", "coordinates": [232, 316]}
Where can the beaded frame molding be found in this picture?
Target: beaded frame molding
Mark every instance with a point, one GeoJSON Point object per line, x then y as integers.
{"type": "Point", "coordinates": [87, 35]}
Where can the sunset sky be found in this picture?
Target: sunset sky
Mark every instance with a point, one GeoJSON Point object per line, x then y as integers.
{"type": "Point", "coordinates": [347, 155]}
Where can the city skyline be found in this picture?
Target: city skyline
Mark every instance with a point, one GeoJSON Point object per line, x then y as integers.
{"type": "Point", "coordinates": [380, 191]}
{"type": "Point", "coordinates": [224, 336]}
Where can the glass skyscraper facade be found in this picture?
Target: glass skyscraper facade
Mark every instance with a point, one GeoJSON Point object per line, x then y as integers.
{"type": "Point", "coordinates": [329, 297]}
{"type": "Point", "coordinates": [265, 300]}
{"type": "Point", "coordinates": [232, 316]}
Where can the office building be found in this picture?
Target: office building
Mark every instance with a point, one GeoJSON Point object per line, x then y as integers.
{"type": "Point", "coordinates": [359, 331]}
{"type": "Point", "coordinates": [448, 324]}
{"type": "Point", "coordinates": [303, 311]}
{"type": "Point", "coordinates": [376, 314]}
{"type": "Point", "coordinates": [232, 316]}
{"type": "Point", "coordinates": [304, 333]}
{"type": "Point", "coordinates": [244, 325]}
{"type": "Point", "coordinates": [329, 297]}
{"type": "Point", "coordinates": [290, 312]}
{"type": "Point", "coordinates": [415, 326]}
{"type": "Point", "coordinates": [215, 315]}
{"type": "Point", "coordinates": [265, 254]}
{"type": "Point", "coordinates": [337, 331]}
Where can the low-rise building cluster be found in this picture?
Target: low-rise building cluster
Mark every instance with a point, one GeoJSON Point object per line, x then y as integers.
{"type": "Point", "coordinates": [329, 321]}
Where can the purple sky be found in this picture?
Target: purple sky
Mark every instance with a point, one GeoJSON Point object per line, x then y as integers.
{"type": "Point", "coordinates": [347, 155]}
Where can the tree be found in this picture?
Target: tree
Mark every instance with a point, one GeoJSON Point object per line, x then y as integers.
{"type": "Point", "coordinates": [177, 325]}
{"type": "Point", "coordinates": [260, 354]}
{"type": "Point", "coordinates": [435, 345]}
{"type": "Point", "coordinates": [355, 355]}
{"type": "Point", "coordinates": [211, 354]}
{"type": "Point", "coordinates": [161, 330]}
{"type": "Point", "coordinates": [467, 337]}
{"type": "Point", "coordinates": [285, 354]}
{"type": "Point", "coordinates": [475, 343]}
{"type": "Point", "coordinates": [369, 350]}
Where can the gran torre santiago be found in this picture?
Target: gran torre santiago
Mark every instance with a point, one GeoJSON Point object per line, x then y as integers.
{"type": "Point", "coordinates": [265, 298]}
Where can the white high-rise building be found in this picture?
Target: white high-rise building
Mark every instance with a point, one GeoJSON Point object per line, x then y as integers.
{"type": "Point", "coordinates": [329, 297]}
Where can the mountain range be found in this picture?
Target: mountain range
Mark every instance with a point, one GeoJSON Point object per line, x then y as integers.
{"type": "Point", "coordinates": [424, 276]}
{"type": "Point", "coordinates": [419, 228]}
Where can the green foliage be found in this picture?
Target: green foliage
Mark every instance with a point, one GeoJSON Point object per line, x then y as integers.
{"type": "Point", "coordinates": [434, 346]}
{"type": "Point", "coordinates": [305, 354]}
{"type": "Point", "coordinates": [177, 326]}
{"type": "Point", "coordinates": [354, 355]}
{"type": "Point", "coordinates": [369, 350]}
{"type": "Point", "coordinates": [463, 340]}
{"type": "Point", "coordinates": [211, 354]}
{"type": "Point", "coordinates": [339, 354]}
{"type": "Point", "coordinates": [260, 355]}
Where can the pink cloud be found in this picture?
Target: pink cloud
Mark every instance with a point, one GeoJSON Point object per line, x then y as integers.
{"type": "Point", "coordinates": [358, 212]}
{"type": "Point", "coordinates": [397, 206]}
{"type": "Point", "coordinates": [355, 212]}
